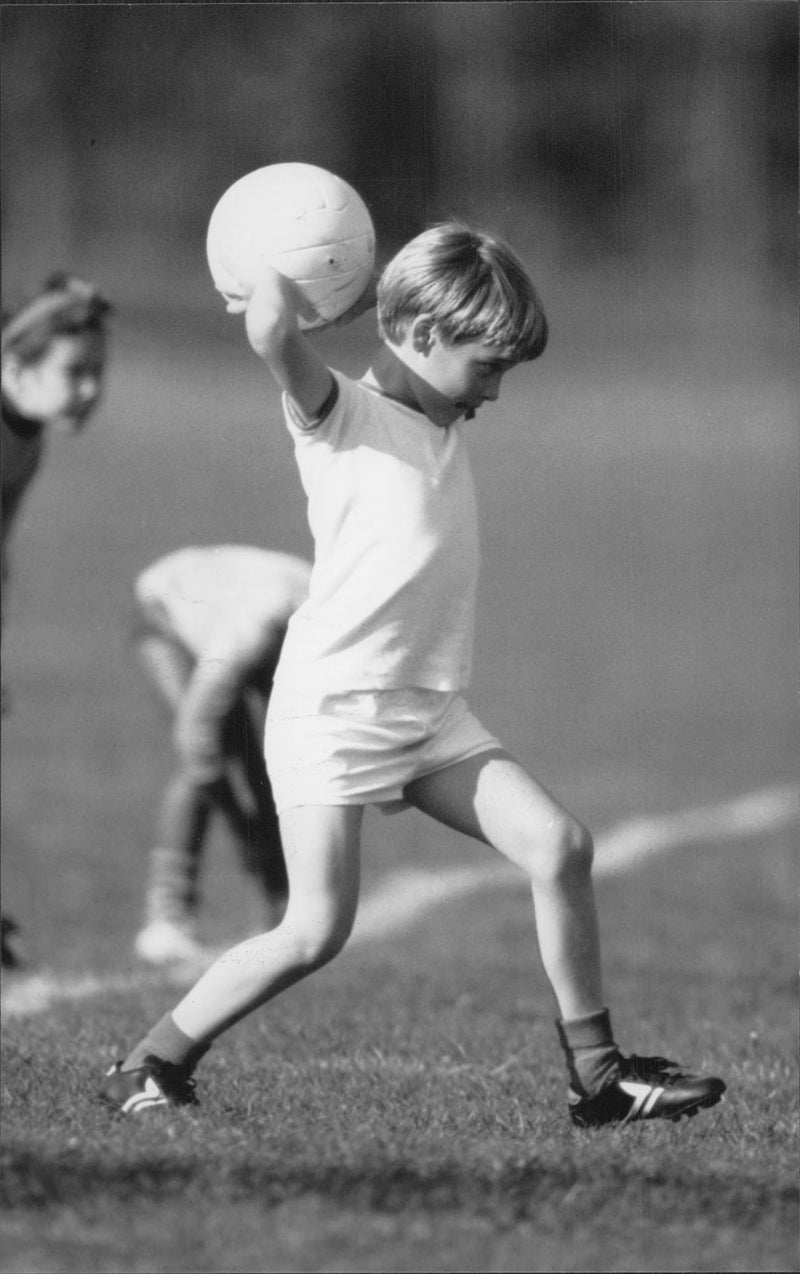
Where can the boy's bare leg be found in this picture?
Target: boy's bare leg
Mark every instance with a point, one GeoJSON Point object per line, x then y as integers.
{"type": "Point", "coordinates": [490, 796]}
{"type": "Point", "coordinates": [322, 847]}
{"type": "Point", "coordinates": [493, 798]}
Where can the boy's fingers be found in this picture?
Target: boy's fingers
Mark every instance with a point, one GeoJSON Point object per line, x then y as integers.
{"type": "Point", "coordinates": [269, 278]}
{"type": "Point", "coordinates": [366, 301]}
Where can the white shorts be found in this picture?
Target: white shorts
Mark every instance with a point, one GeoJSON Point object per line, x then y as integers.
{"type": "Point", "coordinates": [362, 748]}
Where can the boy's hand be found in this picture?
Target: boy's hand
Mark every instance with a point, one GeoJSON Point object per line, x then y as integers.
{"type": "Point", "coordinates": [275, 304]}
{"type": "Point", "coordinates": [367, 301]}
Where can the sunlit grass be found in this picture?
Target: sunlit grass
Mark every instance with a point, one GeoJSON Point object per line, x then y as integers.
{"type": "Point", "coordinates": [405, 1109]}
{"type": "Point", "coordinates": [410, 1098]}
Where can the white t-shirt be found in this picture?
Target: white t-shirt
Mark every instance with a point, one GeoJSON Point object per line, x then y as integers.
{"type": "Point", "coordinates": [224, 601]}
{"type": "Point", "coordinates": [391, 507]}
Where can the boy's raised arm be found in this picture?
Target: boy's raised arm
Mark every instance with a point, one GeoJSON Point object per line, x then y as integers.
{"type": "Point", "coordinates": [275, 335]}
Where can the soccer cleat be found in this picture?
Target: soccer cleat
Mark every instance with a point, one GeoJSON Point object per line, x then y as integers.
{"type": "Point", "coordinates": [165, 942]}
{"type": "Point", "coordinates": [154, 1083]}
{"type": "Point", "coordinates": [646, 1088]}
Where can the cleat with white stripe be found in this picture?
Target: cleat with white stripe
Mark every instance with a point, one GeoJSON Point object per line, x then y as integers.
{"type": "Point", "coordinates": [154, 1083]}
{"type": "Point", "coordinates": [646, 1088]}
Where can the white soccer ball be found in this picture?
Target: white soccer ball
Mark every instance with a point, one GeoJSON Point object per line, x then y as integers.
{"type": "Point", "coordinates": [306, 223]}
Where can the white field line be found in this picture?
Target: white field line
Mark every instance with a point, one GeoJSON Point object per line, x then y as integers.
{"type": "Point", "coordinates": [406, 896]}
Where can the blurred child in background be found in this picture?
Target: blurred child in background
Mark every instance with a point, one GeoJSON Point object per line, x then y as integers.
{"type": "Point", "coordinates": [53, 366]}
{"type": "Point", "coordinates": [210, 623]}
{"type": "Point", "coordinates": [368, 703]}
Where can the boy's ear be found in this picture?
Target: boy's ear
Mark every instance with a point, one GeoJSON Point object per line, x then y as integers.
{"type": "Point", "coordinates": [422, 330]}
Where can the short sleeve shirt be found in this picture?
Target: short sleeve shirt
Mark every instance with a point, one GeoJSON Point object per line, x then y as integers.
{"type": "Point", "coordinates": [391, 508]}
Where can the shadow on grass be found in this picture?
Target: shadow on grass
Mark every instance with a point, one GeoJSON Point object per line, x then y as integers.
{"type": "Point", "coordinates": [508, 1192]}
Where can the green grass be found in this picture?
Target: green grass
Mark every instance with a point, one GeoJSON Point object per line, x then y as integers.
{"type": "Point", "coordinates": [405, 1108]}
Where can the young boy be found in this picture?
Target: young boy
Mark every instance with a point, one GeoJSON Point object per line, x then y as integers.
{"type": "Point", "coordinates": [367, 704]}
{"type": "Point", "coordinates": [53, 364]}
{"type": "Point", "coordinates": [209, 626]}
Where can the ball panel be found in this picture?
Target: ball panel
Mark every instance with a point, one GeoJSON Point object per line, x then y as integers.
{"type": "Point", "coordinates": [322, 260]}
{"type": "Point", "coordinates": [305, 222]}
{"type": "Point", "coordinates": [269, 224]}
{"type": "Point", "coordinates": [333, 299]}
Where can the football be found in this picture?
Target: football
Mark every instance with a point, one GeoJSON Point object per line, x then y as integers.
{"type": "Point", "coordinates": [305, 222]}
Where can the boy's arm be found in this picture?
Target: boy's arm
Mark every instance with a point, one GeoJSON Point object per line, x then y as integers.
{"type": "Point", "coordinates": [275, 335]}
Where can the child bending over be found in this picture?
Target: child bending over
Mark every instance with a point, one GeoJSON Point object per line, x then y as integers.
{"type": "Point", "coordinates": [209, 624]}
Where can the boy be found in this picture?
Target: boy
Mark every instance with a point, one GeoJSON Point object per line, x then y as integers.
{"type": "Point", "coordinates": [209, 627]}
{"type": "Point", "coordinates": [367, 704]}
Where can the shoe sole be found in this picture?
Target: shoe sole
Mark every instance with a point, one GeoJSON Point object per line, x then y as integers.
{"type": "Point", "coordinates": [130, 1107]}
{"type": "Point", "coordinates": [705, 1103]}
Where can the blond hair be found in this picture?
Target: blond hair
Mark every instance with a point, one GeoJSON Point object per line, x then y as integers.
{"type": "Point", "coordinates": [472, 285]}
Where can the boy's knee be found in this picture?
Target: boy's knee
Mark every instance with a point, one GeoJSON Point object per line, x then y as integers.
{"type": "Point", "coordinates": [316, 945]}
{"type": "Point", "coordinates": [568, 853]}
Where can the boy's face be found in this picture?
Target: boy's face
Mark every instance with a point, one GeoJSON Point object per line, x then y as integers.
{"type": "Point", "coordinates": [63, 387]}
{"type": "Point", "coordinates": [467, 374]}
{"type": "Point", "coordinates": [456, 379]}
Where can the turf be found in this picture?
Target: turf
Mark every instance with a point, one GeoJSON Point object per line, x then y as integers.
{"type": "Point", "coordinates": [404, 1109]}
{"type": "Point", "coordinates": [381, 1117]}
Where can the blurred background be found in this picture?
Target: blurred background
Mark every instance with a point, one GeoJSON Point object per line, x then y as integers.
{"type": "Point", "coordinates": [658, 136]}
{"type": "Point", "coordinates": [638, 485]}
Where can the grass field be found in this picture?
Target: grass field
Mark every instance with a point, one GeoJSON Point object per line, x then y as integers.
{"type": "Point", "coordinates": [405, 1109]}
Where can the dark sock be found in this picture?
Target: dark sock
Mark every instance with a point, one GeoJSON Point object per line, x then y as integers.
{"type": "Point", "coordinates": [592, 1056]}
{"type": "Point", "coordinates": [167, 1041]}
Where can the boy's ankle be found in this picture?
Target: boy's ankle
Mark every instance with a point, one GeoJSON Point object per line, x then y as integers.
{"type": "Point", "coordinates": [590, 1050]}
{"type": "Point", "coordinates": [167, 1042]}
